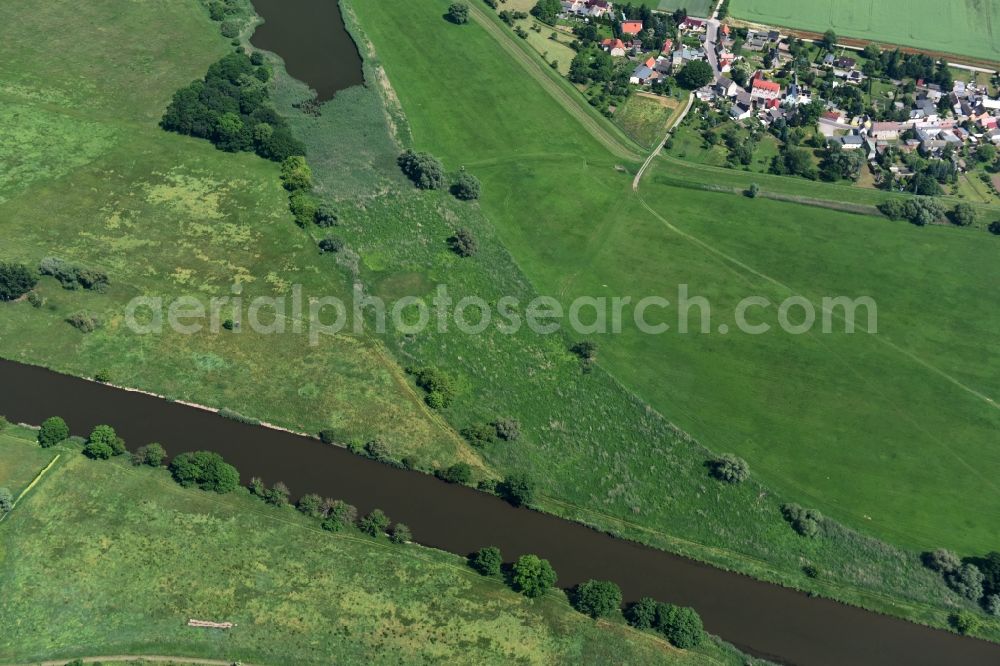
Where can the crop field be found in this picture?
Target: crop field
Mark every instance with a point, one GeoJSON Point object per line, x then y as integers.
{"type": "Point", "coordinates": [962, 27]}
{"type": "Point", "coordinates": [129, 546]}
{"type": "Point", "coordinates": [87, 175]}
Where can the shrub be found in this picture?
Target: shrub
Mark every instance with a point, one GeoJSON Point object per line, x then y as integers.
{"type": "Point", "coordinates": [518, 489]}
{"type": "Point", "coordinates": [810, 571]}
{"type": "Point", "coordinates": [642, 613]}
{"type": "Point", "coordinates": [963, 622]}
{"type": "Point", "coordinates": [730, 468]}
{"type": "Point", "coordinates": [597, 598]}
{"type": "Point", "coordinates": [16, 280]}
{"type": "Point", "coordinates": [6, 500]}
{"type": "Point", "coordinates": [533, 576]}
{"type": "Point", "coordinates": [457, 473]}
{"type": "Point", "coordinates": [753, 190]}
{"type": "Point", "coordinates": [463, 243]}
{"type": "Point", "coordinates": [331, 244]}
{"type": "Point", "coordinates": [992, 604]}
{"type": "Point", "coordinates": [682, 626]}
{"type": "Point", "coordinates": [458, 13]}
{"type": "Point", "coordinates": [104, 438]}
{"type": "Point", "coordinates": [995, 227]}
{"type": "Point", "coordinates": [942, 560]}
{"type": "Point", "coordinates": [325, 217]}
{"type": "Point", "coordinates": [378, 449]}
{"type": "Point", "coordinates": [507, 429]}
{"type": "Point", "coordinates": [375, 523]}
{"type": "Point", "coordinates": [586, 350]}
{"type": "Point", "coordinates": [230, 29]}
{"type": "Point", "coordinates": [303, 206]}
{"type": "Point", "coordinates": [310, 505]}
{"type": "Point", "coordinates": [963, 215]}
{"type": "Point", "coordinates": [804, 521]}
{"type": "Point", "coordinates": [480, 434]}
{"type": "Point", "coordinates": [966, 580]}
{"type": "Point", "coordinates": [487, 561]}
{"type": "Point", "coordinates": [440, 387]}
{"type": "Point", "coordinates": [400, 533]}
{"type": "Point", "coordinates": [339, 516]}
{"type": "Point", "coordinates": [83, 321]}
{"type": "Point", "coordinates": [204, 469]}
{"type": "Point", "coordinates": [296, 174]}
{"type": "Point", "coordinates": [233, 415]}
{"type": "Point", "coordinates": [466, 187]}
{"type": "Point", "coordinates": [423, 169]}
{"type": "Point", "coordinates": [327, 436]}
{"type": "Point", "coordinates": [53, 431]}
{"type": "Point", "coordinates": [277, 495]}
{"type": "Point", "coordinates": [152, 454]}
{"type": "Point", "coordinates": [103, 376]}
{"type": "Point", "coordinates": [35, 299]}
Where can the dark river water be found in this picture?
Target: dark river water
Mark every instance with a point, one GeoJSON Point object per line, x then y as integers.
{"type": "Point", "coordinates": [763, 619]}
{"type": "Point", "coordinates": [311, 38]}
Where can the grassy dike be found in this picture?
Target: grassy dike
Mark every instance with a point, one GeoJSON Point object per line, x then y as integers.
{"type": "Point", "coordinates": [102, 558]}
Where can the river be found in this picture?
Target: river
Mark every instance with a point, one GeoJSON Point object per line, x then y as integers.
{"type": "Point", "coordinates": [762, 619]}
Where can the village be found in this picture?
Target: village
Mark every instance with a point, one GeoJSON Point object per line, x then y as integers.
{"type": "Point", "coordinates": [846, 97]}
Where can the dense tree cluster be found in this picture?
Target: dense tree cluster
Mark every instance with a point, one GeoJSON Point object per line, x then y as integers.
{"type": "Point", "coordinates": [204, 469]}
{"type": "Point", "coordinates": [71, 276]}
{"type": "Point", "coordinates": [547, 11]}
{"type": "Point", "coordinates": [518, 489]}
{"type": "Point", "coordinates": [695, 74]}
{"type": "Point", "coordinates": [806, 522]}
{"type": "Point", "coordinates": [151, 454]}
{"type": "Point", "coordinates": [16, 280]}
{"type": "Point", "coordinates": [103, 443]}
{"type": "Point", "coordinates": [438, 384]}
{"type": "Point", "coordinates": [230, 107]}
{"type": "Point", "coordinates": [920, 211]}
{"type": "Point", "coordinates": [425, 170]}
{"type": "Point", "coordinates": [682, 626]}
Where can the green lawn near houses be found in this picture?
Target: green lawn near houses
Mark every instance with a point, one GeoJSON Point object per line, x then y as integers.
{"type": "Point", "coordinates": [963, 27]}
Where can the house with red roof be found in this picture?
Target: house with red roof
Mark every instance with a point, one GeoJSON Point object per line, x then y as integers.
{"type": "Point", "coordinates": [668, 46]}
{"type": "Point", "coordinates": [615, 47]}
{"type": "Point", "coordinates": [765, 90]}
{"type": "Point", "coordinates": [631, 27]}
{"type": "Point", "coordinates": [694, 24]}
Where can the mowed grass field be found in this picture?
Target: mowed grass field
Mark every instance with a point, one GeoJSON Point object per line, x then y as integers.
{"type": "Point", "coordinates": [87, 175]}
{"type": "Point", "coordinates": [103, 558]}
{"type": "Point", "coordinates": [845, 423]}
{"type": "Point", "coordinates": [962, 27]}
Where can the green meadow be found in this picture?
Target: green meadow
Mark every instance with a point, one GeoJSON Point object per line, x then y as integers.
{"type": "Point", "coordinates": [962, 27]}
{"type": "Point", "coordinates": [102, 558]}
{"type": "Point", "coordinates": [87, 175]}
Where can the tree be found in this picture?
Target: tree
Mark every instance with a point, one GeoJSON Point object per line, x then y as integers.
{"type": "Point", "coordinates": [464, 243]}
{"type": "Point", "coordinates": [16, 280]}
{"type": "Point", "coordinates": [103, 443]}
{"type": "Point", "coordinates": [325, 217]}
{"type": "Point", "coordinates": [375, 523]}
{"type": "Point", "coordinates": [992, 604]}
{"type": "Point", "coordinates": [487, 561]}
{"type": "Point", "coordinates": [533, 576]}
{"type": "Point", "coordinates": [400, 533]}
{"type": "Point", "coordinates": [152, 454]}
{"type": "Point", "coordinates": [964, 622]}
{"type": "Point", "coordinates": [466, 186]}
{"type": "Point", "coordinates": [518, 489]}
{"type": "Point", "coordinates": [423, 169]}
{"type": "Point", "coordinates": [458, 13]}
{"type": "Point", "coordinates": [730, 468]}
{"type": "Point", "coordinates": [277, 495]}
{"type": "Point", "coordinates": [986, 153]}
{"type": "Point", "coordinates": [804, 521]}
{"type": "Point", "coordinates": [642, 614]}
{"type": "Point", "coordinates": [753, 190]}
{"type": "Point", "coordinates": [296, 174]}
{"type": "Point", "coordinates": [990, 566]}
{"type": "Point", "coordinates": [547, 11]}
{"type": "Point", "coordinates": [586, 350]}
{"type": "Point", "coordinates": [597, 598]}
{"type": "Point", "coordinates": [330, 244]}
{"type": "Point", "coordinates": [204, 469]}
{"type": "Point", "coordinates": [457, 473]}
{"type": "Point", "coordinates": [310, 504]}
{"type": "Point", "coordinates": [508, 430]}
{"type": "Point", "coordinates": [6, 500]}
{"type": "Point", "coordinates": [963, 214]}
{"type": "Point", "coordinates": [682, 626]}
{"type": "Point", "coordinates": [695, 74]}
{"type": "Point", "coordinates": [966, 580]}
{"type": "Point", "coordinates": [942, 560]}
{"type": "Point", "coordinates": [829, 40]}
{"type": "Point", "coordinates": [995, 228]}
{"type": "Point", "coordinates": [53, 431]}
{"type": "Point", "coordinates": [339, 516]}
